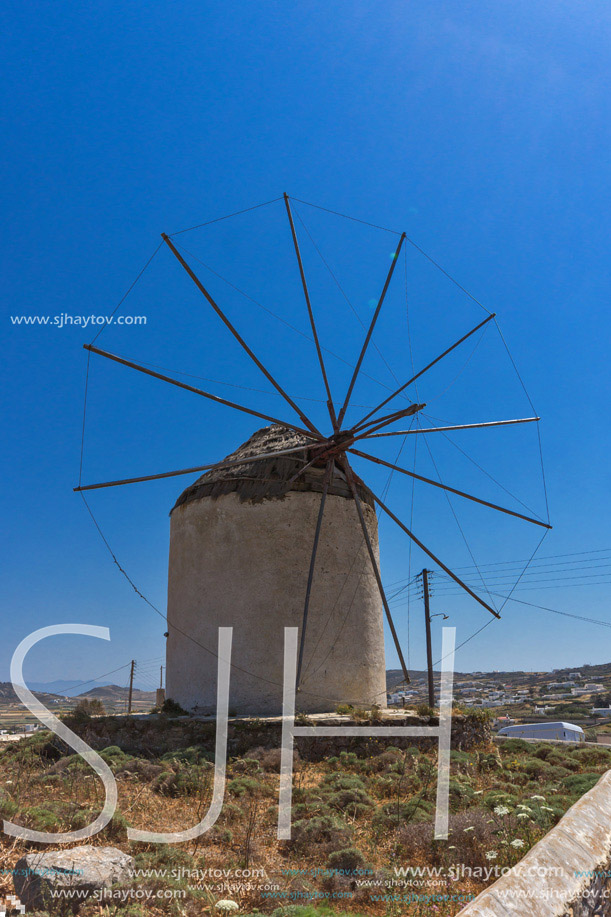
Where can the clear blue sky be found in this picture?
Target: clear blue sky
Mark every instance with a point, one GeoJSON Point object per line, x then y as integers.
{"type": "Point", "coordinates": [481, 129]}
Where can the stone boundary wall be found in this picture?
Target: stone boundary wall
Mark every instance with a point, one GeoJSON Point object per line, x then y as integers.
{"type": "Point", "coordinates": [567, 874]}
{"type": "Point", "coordinates": [157, 734]}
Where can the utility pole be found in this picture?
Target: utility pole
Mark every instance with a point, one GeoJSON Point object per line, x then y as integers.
{"type": "Point", "coordinates": [429, 648]}
{"type": "Point", "coordinates": [160, 693]}
{"type": "Point", "coordinates": [131, 686]}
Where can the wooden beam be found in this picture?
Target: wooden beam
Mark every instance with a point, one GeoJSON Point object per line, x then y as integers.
{"type": "Point", "coordinates": [306, 293]}
{"type": "Point", "coordinates": [199, 391]}
{"type": "Point", "coordinates": [370, 331]}
{"type": "Point", "coordinates": [434, 558]}
{"type": "Point", "coordinates": [461, 426]}
{"type": "Point", "coordinates": [459, 493]}
{"type": "Point", "coordinates": [374, 564]}
{"type": "Point", "coordinates": [304, 419]}
{"type": "Point", "coordinates": [362, 422]}
{"type": "Point", "coordinates": [172, 474]}
{"type": "Point", "coordinates": [306, 607]}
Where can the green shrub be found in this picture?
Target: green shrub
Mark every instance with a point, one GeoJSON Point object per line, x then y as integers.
{"type": "Point", "coordinates": [592, 756]}
{"type": "Point", "coordinates": [489, 761]}
{"type": "Point", "coordinates": [247, 766]}
{"type": "Point", "coordinates": [342, 782]}
{"type": "Point", "coordinates": [247, 786]}
{"type": "Point", "coordinates": [578, 784]}
{"type": "Point", "coordinates": [356, 802]}
{"type": "Point", "coordinates": [425, 710]}
{"type": "Point", "coordinates": [344, 709]}
{"type": "Point", "coordinates": [194, 754]}
{"type": "Point", "coordinates": [460, 761]}
{"type": "Point", "coordinates": [461, 793]}
{"type": "Point", "coordinates": [346, 861]}
{"type": "Point", "coordinates": [393, 814]}
{"type": "Point", "coordinates": [322, 831]}
{"type": "Point", "coordinates": [386, 760]}
{"type": "Point", "coordinates": [163, 855]}
{"type": "Point", "coordinates": [8, 807]}
{"type": "Point", "coordinates": [511, 746]}
{"type": "Point", "coordinates": [499, 798]}
{"type": "Point", "coordinates": [86, 708]}
{"type": "Point", "coordinates": [188, 780]}
{"type": "Point", "coordinates": [171, 708]}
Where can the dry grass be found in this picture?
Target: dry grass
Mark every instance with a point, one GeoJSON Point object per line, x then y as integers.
{"type": "Point", "coordinates": [374, 813]}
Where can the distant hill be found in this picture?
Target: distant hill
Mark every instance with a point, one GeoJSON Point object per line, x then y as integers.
{"type": "Point", "coordinates": [65, 687]}
{"type": "Point", "coordinates": [8, 696]}
{"type": "Point", "coordinates": [115, 693]}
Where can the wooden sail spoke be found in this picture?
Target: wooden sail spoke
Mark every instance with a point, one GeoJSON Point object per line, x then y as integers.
{"type": "Point", "coordinates": [392, 418]}
{"type": "Point", "coordinates": [304, 419]}
{"type": "Point", "coordinates": [374, 564]}
{"type": "Point", "coordinates": [460, 426]}
{"type": "Point", "coordinates": [306, 607]}
{"type": "Point", "coordinates": [434, 558]}
{"type": "Point", "coordinates": [363, 423]}
{"type": "Point", "coordinates": [453, 490]}
{"type": "Point", "coordinates": [172, 474]}
{"type": "Point", "coordinates": [306, 293]}
{"type": "Point", "coordinates": [372, 325]}
{"type": "Point", "coordinates": [199, 391]}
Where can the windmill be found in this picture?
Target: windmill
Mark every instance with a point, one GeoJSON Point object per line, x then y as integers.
{"type": "Point", "coordinates": [306, 470]}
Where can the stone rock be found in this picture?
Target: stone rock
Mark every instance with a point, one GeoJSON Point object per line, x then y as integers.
{"type": "Point", "coordinates": [39, 876]}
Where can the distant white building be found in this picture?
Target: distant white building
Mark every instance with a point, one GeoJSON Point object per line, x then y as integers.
{"type": "Point", "coordinates": [502, 721]}
{"type": "Point", "coordinates": [563, 732]}
{"type": "Point", "coordinates": [601, 711]}
{"type": "Point", "coordinates": [591, 686]}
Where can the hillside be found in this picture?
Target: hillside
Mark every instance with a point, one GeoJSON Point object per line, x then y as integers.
{"type": "Point", "coordinates": [8, 696]}
{"type": "Point", "coordinates": [115, 693]}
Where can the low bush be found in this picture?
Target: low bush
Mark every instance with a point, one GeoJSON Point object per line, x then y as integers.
{"type": "Point", "coordinates": [343, 782]}
{"type": "Point", "coordinates": [511, 746]}
{"type": "Point", "coordinates": [326, 833]}
{"type": "Point", "coordinates": [183, 780]}
{"type": "Point", "coordinates": [193, 754]}
{"type": "Point", "coordinates": [269, 758]}
{"type": "Point", "coordinates": [355, 802]}
{"type": "Point", "coordinates": [578, 784]}
{"type": "Point", "coordinates": [346, 861]}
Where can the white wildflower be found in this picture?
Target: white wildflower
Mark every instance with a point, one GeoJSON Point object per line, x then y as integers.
{"type": "Point", "coordinates": [470, 828]}
{"type": "Point", "coordinates": [517, 843]}
{"type": "Point", "coordinates": [491, 855]}
{"type": "Point", "coordinates": [501, 810]}
{"type": "Point", "coordinates": [227, 905]}
{"type": "Point", "coordinates": [538, 797]}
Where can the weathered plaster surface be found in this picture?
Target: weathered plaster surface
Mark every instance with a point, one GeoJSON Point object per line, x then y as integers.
{"type": "Point", "coordinates": [245, 565]}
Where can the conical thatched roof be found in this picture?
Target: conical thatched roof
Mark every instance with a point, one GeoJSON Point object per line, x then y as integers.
{"type": "Point", "coordinates": [269, 479]}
